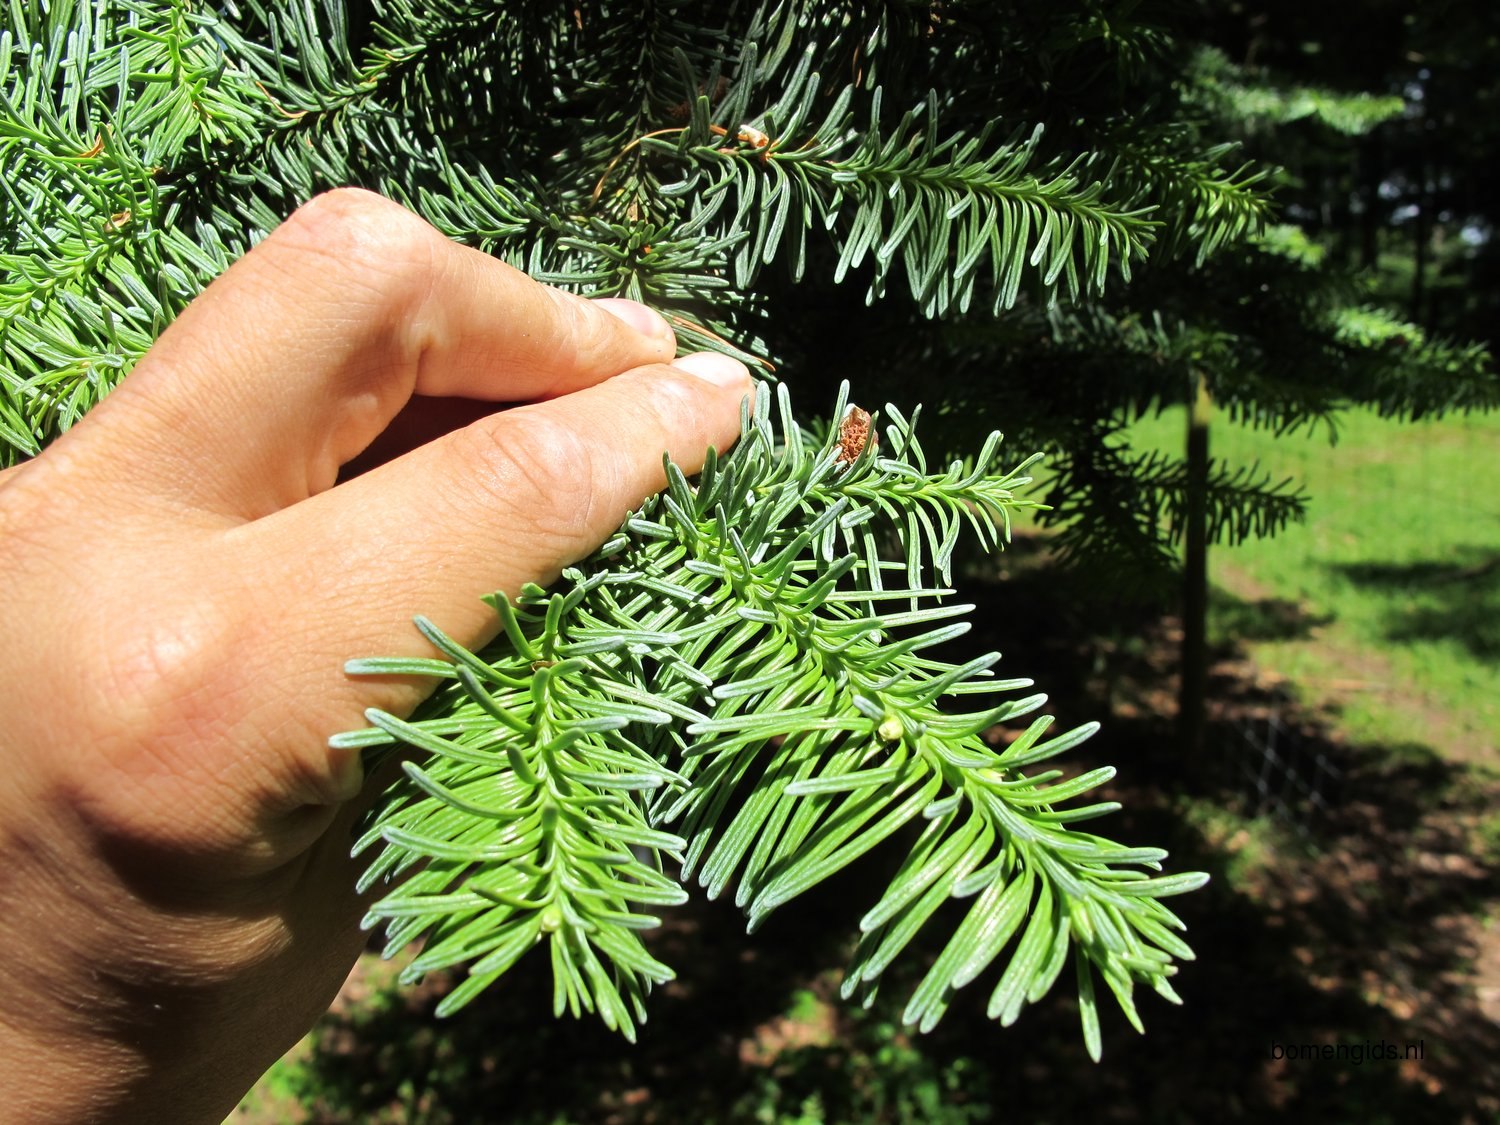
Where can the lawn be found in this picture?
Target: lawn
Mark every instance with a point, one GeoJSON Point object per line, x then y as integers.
{"type": "Point", "coordinates": [1385, 602]}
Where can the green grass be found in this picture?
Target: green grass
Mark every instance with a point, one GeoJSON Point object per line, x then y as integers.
{"type": "Point", "coordinates": [1380, 602]}
{"type": "Point", "coordinates": [278, 1096]}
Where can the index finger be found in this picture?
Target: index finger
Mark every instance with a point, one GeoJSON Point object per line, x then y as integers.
{"type": "Point", "coordinates": [295, 359]}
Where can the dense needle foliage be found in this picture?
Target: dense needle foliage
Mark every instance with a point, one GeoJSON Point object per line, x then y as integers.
{"type": "Point", "coordinates": [1039, 205]}
{"type": "Point", "coordinates": [735, 682]}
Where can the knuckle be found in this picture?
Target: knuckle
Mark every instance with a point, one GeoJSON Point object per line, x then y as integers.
{"type": "Point", "coordinates": [587, 334]}
{"type": "Point", "coordinates": [349, 206]}
{"type": "Point", "coordinates": [361, 233]}
{"type": "Point", "coordinates": [161, 692]}
{"type": "Point", "coordinates": [539, 468]}
{"type": "Point", "coordinates": [381, 262]}
{"type": "Point", "coordinates": [676, 403]}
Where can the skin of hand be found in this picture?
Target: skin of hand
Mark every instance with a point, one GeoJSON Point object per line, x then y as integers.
{"type": "Point", "coordinates": [310, 455]}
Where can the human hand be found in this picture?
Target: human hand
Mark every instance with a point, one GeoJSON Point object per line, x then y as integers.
{"type": "Point", "coordinates": [186, 572]}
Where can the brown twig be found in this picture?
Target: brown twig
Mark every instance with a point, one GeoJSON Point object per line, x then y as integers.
{"type": "Point", "coordinates": [297, 116]}
{"type": "Point", "coordinates": [619, 156]}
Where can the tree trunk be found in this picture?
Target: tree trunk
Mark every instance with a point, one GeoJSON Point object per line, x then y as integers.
{"type": "Point", "coordinates": [1371, 172]}
{"type": "Point", "coordinates": [1421, 233]}
{"type": "Point", "coordinates": [1419, 252]}
{"type": "Point", "coordinates": [1193, 695]}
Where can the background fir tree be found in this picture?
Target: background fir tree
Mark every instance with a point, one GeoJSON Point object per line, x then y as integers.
{"type": "Point", "coordinates": [1037, 209]}
{"type": "Point", "coordinates": [1407, 203]}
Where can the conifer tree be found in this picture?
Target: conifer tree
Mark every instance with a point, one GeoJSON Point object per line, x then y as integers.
{"type": "Point", "coordinates": [1034, 210]}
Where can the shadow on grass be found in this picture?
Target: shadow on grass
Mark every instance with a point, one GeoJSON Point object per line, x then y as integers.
{"type": "Point", "coordinates": [1455, 599]}
{"type": "Point", "coordinates": [1356, 933]}
{"type": "Point", "coordinates": [1261, 619]}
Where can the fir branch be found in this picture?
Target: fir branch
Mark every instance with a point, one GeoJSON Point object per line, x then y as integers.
{"type": "Point", "coordinates": [95, 261]}
{"type": "Point", "coordinates": [551, 821]}
{"type": "Point", "coordinates": [301, 55]}
{"type": "Point", "coordinates": [1205, 204]}
{"type": "Point", "coordinates": [726, 664]}
{"type": "Point", "coordinates": [184, 90]}
{"type": "Point", "coordinates": [1243, 501]}
{"type": "Point", "coordinates": [661, 85]}
{"type": "Point", "coordinates": [77, 187]}
{"type": "Point", "coordinates": [1407, 373]}
{"type": "Point", "coordinates": [1247, 98]}
{"type": "Point", "coordinates": [946, 207]}
{"type": "Point", "coordinates": [1103, 523]}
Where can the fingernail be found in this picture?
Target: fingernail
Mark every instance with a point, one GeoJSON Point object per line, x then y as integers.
{"type": "Point", "coordinates": [645, 320]}
{"type": "Point", "coordinates": [715, 367]}
{"type": "Point", "coordinates": [348, 774]}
